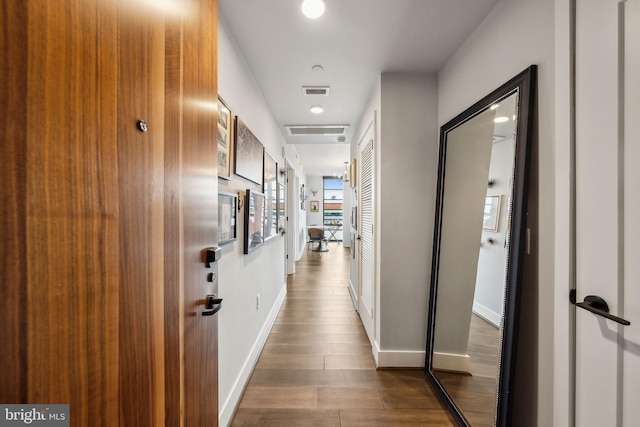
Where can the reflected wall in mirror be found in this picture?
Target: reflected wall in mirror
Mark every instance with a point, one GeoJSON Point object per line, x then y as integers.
{"type": "Point", "coordinates": [478, 253]}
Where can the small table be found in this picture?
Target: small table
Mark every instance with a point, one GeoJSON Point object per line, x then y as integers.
{"type": "Point", "coordinates": [333, 228]}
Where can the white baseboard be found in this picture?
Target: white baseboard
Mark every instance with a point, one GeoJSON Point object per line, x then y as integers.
{"type": "Point", "coordinates": [487, 314]}
{"type": "Point", "coordinates": [228, 407]}
{"type": "Point", "coordinates": [451, 362]}
{"type": "Point", "coordinates": [398, 358]}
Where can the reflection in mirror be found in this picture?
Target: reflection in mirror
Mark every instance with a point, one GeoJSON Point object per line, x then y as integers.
{"type": "Point", "coordinates": [478, 252]}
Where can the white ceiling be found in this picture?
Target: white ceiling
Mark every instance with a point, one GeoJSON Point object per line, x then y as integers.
{"type": "Point", "coordinates": [354, 41]}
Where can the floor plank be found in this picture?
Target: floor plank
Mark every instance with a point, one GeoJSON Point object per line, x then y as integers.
{"type": "Point", "coordinates": [317, 368]}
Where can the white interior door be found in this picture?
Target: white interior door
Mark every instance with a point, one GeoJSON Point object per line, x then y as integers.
{"type": "Point", "coordinates": [608, 210]}
{"type": "Point", "coordinates": [366, 294]}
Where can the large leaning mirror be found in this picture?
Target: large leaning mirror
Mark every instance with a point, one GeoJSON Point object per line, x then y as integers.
{"type": "Point", "coordinates": [478, 252]}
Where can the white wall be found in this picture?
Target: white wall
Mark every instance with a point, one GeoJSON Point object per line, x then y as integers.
{"type": "Point", "coordinates": [243, 327]}
{"type": "Point", "coordinates": [516, 34]}
{"type": "Point", "coordinates": [407, 182]}
{"type": "Point", "coordinates": [406, 152]}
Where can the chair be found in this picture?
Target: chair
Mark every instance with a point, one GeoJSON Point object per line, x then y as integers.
{"type": "Point", "coordinates": [316, 235]}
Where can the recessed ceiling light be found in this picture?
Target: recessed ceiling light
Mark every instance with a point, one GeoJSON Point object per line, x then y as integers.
{"type": "Point", "coordinates": [313, 9]}
{"type": "Point", "coordinates": [501, 119]}
{"type": "Point", "coordinates": [494, 106]}
{"type": "Point", "coordinates": [316, 109]}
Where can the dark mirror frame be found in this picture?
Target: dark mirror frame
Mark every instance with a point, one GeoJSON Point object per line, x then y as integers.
{"type": "Point", "coordinates": [525, 84]}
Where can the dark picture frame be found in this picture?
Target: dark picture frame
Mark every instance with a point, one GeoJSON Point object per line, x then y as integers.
{"type": "Point", "coordinates": [270, 190]}
{"type": "Point", "coordinates": [227, 218]}
{"type": "Point", "coordinates": [281, 206]}
{"type": "Point", "coordinates": [248, 153]}
{"type": "Point", "coordinates": [253, 221]}
{"type": "Point", "coordinates": [225, 140]}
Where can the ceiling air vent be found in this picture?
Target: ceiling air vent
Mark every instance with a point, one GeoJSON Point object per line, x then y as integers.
{"type": "Point", "coordinates": [317, 130]}
{"type": "Point", "coordinates": [316, 90]}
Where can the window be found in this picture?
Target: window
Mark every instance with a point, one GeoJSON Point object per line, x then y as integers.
{"type": "Point", "coordinates": [333, 203]}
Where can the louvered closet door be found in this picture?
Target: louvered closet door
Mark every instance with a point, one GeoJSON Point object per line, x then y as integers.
{"type": "Point", "coordinates": [366, 299]}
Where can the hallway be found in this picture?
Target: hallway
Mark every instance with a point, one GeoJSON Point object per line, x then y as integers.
{"type": "Point", "coordinates": [316, 368]}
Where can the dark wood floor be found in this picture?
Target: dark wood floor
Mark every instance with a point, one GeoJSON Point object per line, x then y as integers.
{"type": "Point", "coordinates": [317, 370]}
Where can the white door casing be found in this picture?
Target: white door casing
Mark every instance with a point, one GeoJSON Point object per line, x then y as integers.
{"type": "Point", "coordinates": [366, 221]}
{"type": "Point", "coordinates": [631, 343]}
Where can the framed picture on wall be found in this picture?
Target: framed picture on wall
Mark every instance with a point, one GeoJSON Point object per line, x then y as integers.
{"type": "Point", "coordinates": [225, 140]}
{"type": "Point", "coordinates": [354, 218]}
{"type": "Point", "coordinates": [314, 206]}
{"type": "Point", "coordinates": [248, 153]}
{"type": "Point", "coordinates": [253, 221]}
{"type": "Point", "coordinates": [270, 189]}
{"type": "Point", "coordinates": [227, 217]}
{"type": "Point", "coordinates": [281, 206]}
{"type": "Point", "coordinates": [353, 173]}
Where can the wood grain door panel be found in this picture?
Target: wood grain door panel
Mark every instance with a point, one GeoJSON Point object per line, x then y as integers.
{"type": "Point", "coordinates": [13, 207]}
{"type": "Point", "coordinates": [141, 190]}
{"type": "Point", "coordinates": [200, 198]}
{"type": "Point", "coordinates": [103, 226]}
{"type": "Point", "coordinates": [60, 209]}
{"type": "Point", "coordinates": [72, 284]}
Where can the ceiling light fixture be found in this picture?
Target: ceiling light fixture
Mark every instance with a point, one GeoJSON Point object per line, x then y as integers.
{"type": "Point", "coordinates": [316, 109]}
{"type": "Point", "coordinates": [313, 9]}
{"type": "Point", "coordinates": [501, 119]}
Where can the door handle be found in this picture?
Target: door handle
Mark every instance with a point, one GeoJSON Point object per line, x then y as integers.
{"type": "Point", "coordinates": [598, 306]}
{"type": "Point", "coordinates": [214, 304]}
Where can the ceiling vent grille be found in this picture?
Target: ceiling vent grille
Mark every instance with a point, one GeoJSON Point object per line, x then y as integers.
{"type": "Point", "coordinates": [315, 90]}
{"type": "Point", "coordinates": [311, 130]}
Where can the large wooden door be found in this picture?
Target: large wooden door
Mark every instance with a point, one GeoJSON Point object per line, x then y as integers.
{"type": "Point", "coordinates": [608, 210]}
{"type": "Point", "coordinates": [104, 224]}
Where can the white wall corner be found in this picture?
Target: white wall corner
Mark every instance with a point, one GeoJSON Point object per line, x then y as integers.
{"type": "Point", "coordinates": [228, 407]}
